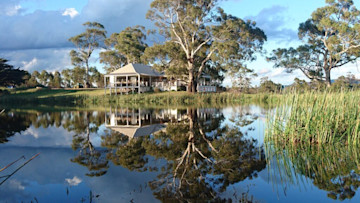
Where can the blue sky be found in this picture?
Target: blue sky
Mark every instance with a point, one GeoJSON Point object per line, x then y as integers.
{"type": "Point", "coordinates": [34, 33]}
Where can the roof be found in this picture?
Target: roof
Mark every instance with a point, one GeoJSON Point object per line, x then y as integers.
{"type": "Point", "coordinates": [134, 68]}
{"type": "Point", "coordinates": [133, 131]}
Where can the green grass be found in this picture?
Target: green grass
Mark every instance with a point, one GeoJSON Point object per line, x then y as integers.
{"type": "Point", "coordinates": [316, 118]}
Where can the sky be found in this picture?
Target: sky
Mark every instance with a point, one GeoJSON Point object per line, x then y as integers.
{"type": "Point", "coordinates": [34, 33]}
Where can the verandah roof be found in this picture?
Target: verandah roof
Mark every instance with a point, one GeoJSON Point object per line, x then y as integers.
{"type": "Point", "coordinates": [135, 69]}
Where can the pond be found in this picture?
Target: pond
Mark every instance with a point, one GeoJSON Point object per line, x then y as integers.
{"type": "Point", "coordinates": [164, 155]}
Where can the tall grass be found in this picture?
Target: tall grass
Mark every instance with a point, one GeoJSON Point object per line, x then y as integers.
{"type": "Point", "coordinates": [316, 118]}
{"type": "Point", "coordinates": [175, 98]}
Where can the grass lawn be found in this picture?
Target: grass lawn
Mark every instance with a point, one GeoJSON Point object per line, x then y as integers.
{"type": "Point", "coordinates": [45, 93]}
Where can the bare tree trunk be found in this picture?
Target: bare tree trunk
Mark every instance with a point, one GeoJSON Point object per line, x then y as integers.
{"type": "Point", "coordinates": [194, 85]}
{"type": "Point", "coordinates": [191, 80]}
{"type": "Point", "coordinates": [327, 77]}
{"type": "Point", "coordinates": [87, 75]}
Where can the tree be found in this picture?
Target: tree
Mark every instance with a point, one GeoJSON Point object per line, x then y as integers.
{"type": "Point", "coordinates": [44, 77]}
{"type": "Point", "coordinates": [125, 47]}
{"type": "Point", "coordinates": [300, 85]}
{"type": "Point", "coordinates": [56, 80]}
{"type": "Point", "coordinates": [86, 43]}
{"type": "Point", "coordinates": [10, 75]}
{"type": "Point", "coordinates": [97, 77]}
{"type": "Point", "coordinates": [205, 36]}
{"type": "Point", "coordinates": [267, 85]}
{"type": "Point", "coordinates": [79, 76]}
{"type": "Point", "coordinates": [112, 60]}
{"type": "Point", "coordinates": [33, 80]}
{"type": "Point", "coordinates": [242, 79]}
{"type": "Point", "coordinates": [66, 76]}
{"type": "Point", "coordinates": [332, 40]}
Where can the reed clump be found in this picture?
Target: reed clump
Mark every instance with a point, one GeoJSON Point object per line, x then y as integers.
{"type": "Point", "coordinates": [316, 118]}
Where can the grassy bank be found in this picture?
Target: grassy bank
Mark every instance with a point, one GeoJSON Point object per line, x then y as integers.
{"type": "Point", "coordinates": [97, 98]}
{"type": "Point", "coordinates": [316, 118]}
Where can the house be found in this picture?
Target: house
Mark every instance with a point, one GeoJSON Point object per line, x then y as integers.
{"type": "Point", "coordinates": [142, 78]}
{"type": "Point", "coordinates": [137, 122]}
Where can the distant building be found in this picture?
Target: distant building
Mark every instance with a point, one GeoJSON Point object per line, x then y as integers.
{"type": "Point", "coordinates": [142, 78]}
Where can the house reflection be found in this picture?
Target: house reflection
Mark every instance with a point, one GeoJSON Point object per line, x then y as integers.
{"type": "Point", "coordinates": [135, 122]}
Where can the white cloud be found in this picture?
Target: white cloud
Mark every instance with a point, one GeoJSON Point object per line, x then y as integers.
{"type": "Point", "coordinates": [34, 133]}
{"type": "Point", "coordinates": [263, 71]}
{"type": "Point", "coordinates": [273, 21]}
{"type": "Point", "coordinates": [29, 65]}
{"type": "Point", "coordinates": [13, 10]}
{"type": "Point", "coordinates": [39, 59]}
{"type": "Point", "coordinates": [15, 184]}
{"type": "Point", "coordinates": [72, 12]}
{"type": "Point", "coordinates": [74, 181]}
{"type": "Point", "coordinates": [38, 40]}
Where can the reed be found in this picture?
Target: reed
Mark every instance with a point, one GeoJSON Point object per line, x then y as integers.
{"type": "Point", "coordinates": [179, 98]}
{"type": "Point", "coordinates": [316, 118]}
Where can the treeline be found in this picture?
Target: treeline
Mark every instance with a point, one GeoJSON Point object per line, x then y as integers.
{"type": "Point", "coordinates": [343, 83]}
{"type": "Point", "coordinates": [67, 78]}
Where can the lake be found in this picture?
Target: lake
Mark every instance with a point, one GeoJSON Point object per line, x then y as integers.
{"type": "Point", "coordinates": [164, 155]}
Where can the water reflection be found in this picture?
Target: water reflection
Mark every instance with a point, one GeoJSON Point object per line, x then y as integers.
{"type": "Point", "coordinates": [202, 158]}
{"type": "Point", "coordinates": [334, 169]}
{"type": "Point", "coordinates": [83, 124]}
{"type": "Point", "coordinates": [168, 155]}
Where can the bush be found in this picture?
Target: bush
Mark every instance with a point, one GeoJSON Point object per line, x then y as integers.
{"type": "Point", "coordinates": [4, 92]}
{"type": "Point", "coordinates": [181, 88]}
{"type": "Point", "coordinates": [157, 90]}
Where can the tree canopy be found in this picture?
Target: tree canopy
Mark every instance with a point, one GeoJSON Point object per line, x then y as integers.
{"type": "Point", "coordinates": [331, 37]}
{"type": "Point", "coordinates": [124, 48]}
{"type": "Point", "coordinates": [204, 36]}
{"type": "Point", "coordinates": [86, 43]}
{"type": "Point", "coordinates": [10, 75]}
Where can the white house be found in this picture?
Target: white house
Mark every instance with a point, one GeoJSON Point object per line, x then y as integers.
{"type": "Point", "coordinates": [142, 78]}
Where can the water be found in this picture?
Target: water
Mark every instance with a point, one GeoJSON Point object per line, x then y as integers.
{"type": "Point", "coordinates": [154, 155]}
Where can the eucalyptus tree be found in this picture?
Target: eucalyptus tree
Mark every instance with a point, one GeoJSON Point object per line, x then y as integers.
{"type": "Point", "coordinates": [205, 37]}
{"type": "Point", "coordinates": [96, 77]}
{"type": "Point", "coordinates": [124, 48]}
{"type": "Point", "coordinates": [56, 80]}
{"type": "Point", "coordinates": [332, 39]}
{"type": "Point", "coordinates": [86, 43]}
{"type": "Point", "coordinates": [44, 77]}
{"type": "Point", "coordinates": [65, 74]}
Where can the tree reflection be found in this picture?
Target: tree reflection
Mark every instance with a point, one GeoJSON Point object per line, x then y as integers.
{"type": "Point", "coordinates": [334, 169]}
{"type": "Point", "coordinates": [202, 157]}
{"type": "Point", "coordinates": [11, 124]}
{"type": "Point", "coordinates": [196, 155]}
{"type": "Point", "coordinates": [83, 124]}
{"type": "Point", "coordinates": [127, 153]}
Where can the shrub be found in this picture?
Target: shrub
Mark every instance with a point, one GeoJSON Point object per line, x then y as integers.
{"type": "Point", "coordinates": [157, 90]}
{"type": "Point", "coordinates": [4, 92]}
